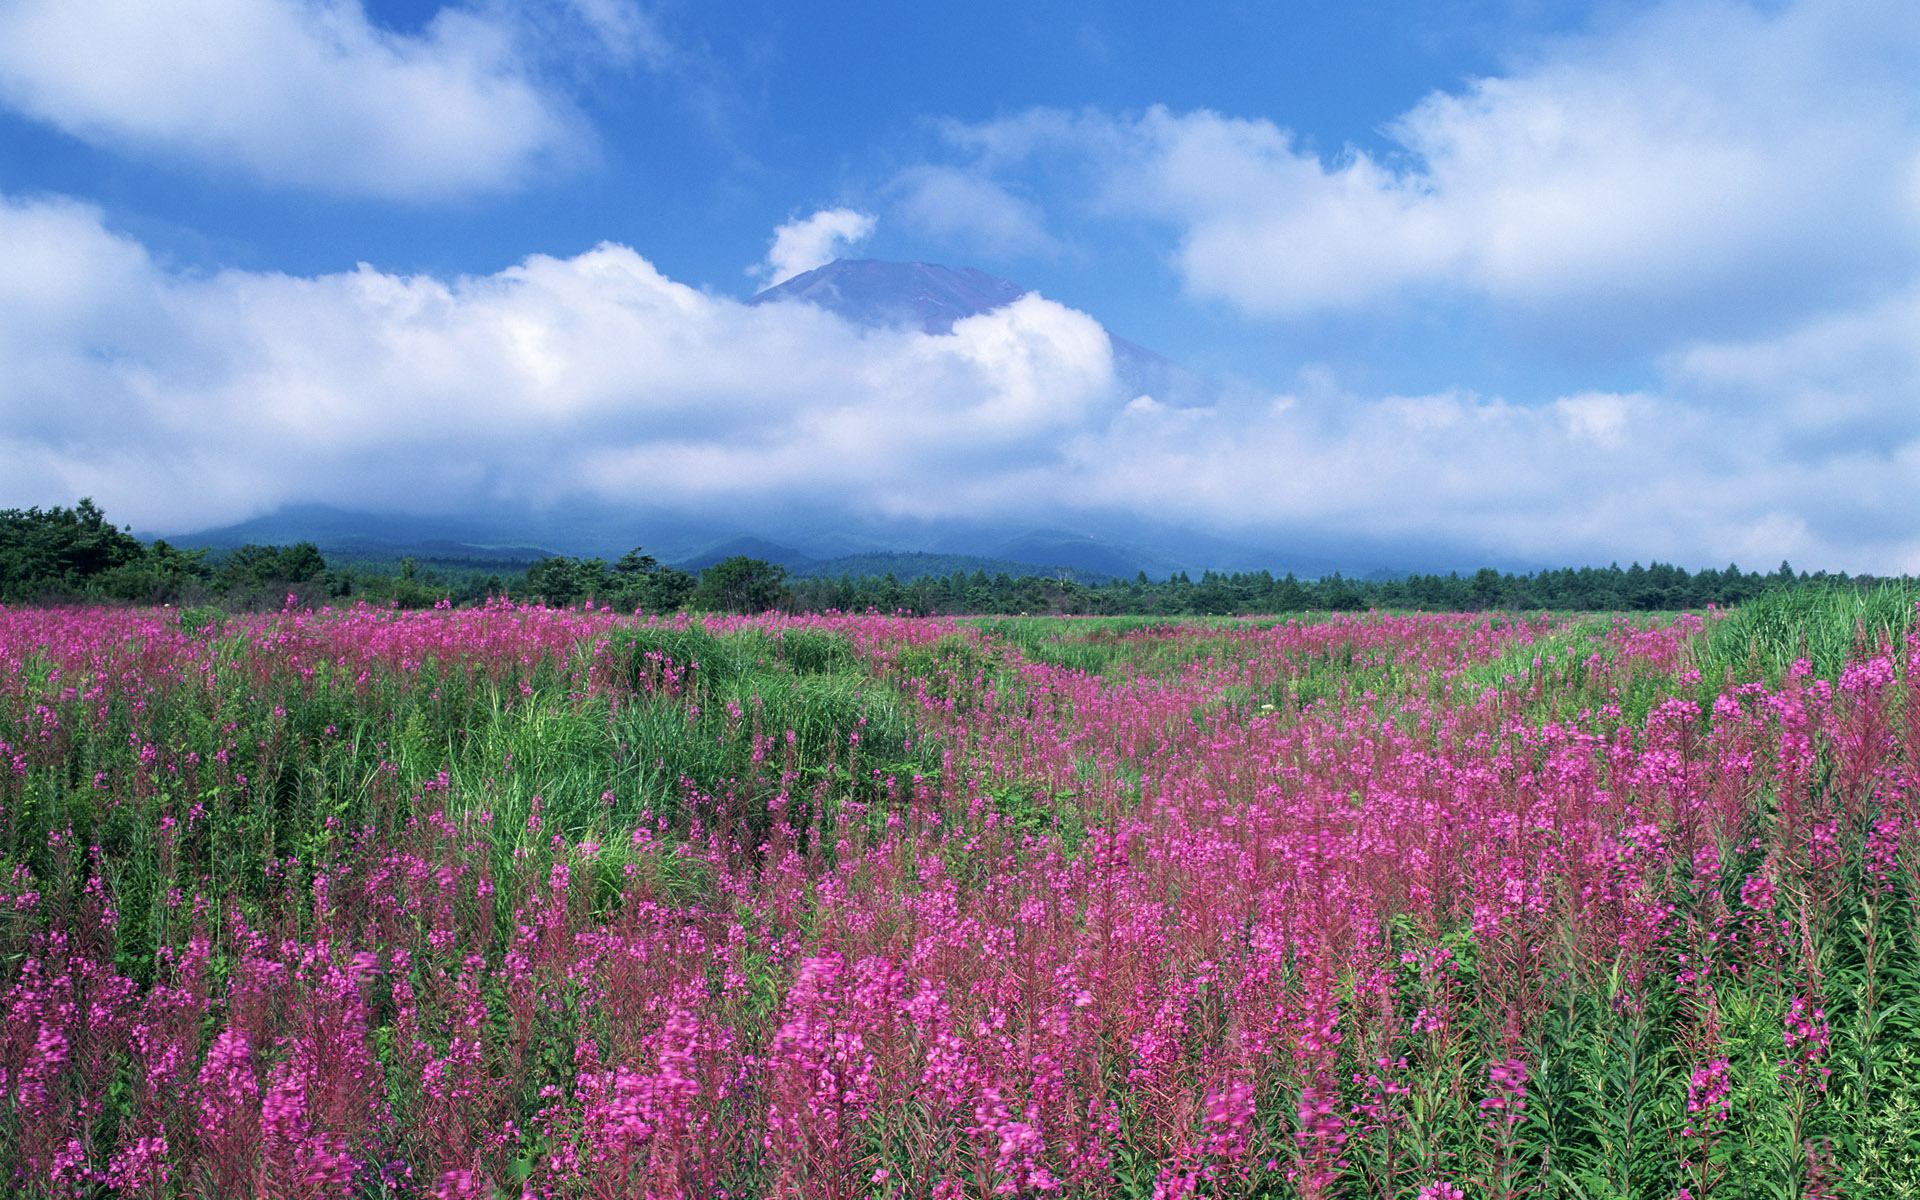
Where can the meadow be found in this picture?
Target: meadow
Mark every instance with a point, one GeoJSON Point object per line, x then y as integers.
{"type": "Point", "coordinates": [511, 901]}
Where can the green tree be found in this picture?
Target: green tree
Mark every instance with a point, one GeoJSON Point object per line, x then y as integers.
{"type": "Point", "coordinates": [257, 568]}
{"type": "Point", "coordinates": [1288, 595]}
{"type": "Point", "coordinates": [560, 581]}
{"type": "Point", "coordinates": [1338, 593]}
{"type": "Point", "coordinates": [639, 581]}
{"type": "Point", "coordinates": [634, 564]}
{"type": "Point", "coordinates": [665, 590]}
{"type": "Point", "coordinates": [740, 584]}
{"type": "Point", "coordinates": [60, 549]}
{"type": "Point", "coordinates": [1486, 587]}
{"type": "Point", "coordinates": [164, 573]}
{"type": "Point", "coordinates": [1213, 597]}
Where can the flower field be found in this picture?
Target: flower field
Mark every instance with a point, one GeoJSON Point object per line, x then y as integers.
{"type": "Point", "coordinates": [505, 901]}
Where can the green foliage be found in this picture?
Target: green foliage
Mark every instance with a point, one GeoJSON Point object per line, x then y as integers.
{"type": "Point", "coordinates": [61, 544]}
{"type": "Point", "coordinates": [664, 590]}
{"type": "Point", "coordinates": [762, 729]}
{"type": "Point", "coordinates": [740, 585]}
{"type": "Point", "coordinates": [1056, 815]}
{"type": "Point", "coordinates": [562, 581]}
{"type": "Point", "coordinates": [62, 553]}
{"type": "Point", "coordinates": [1082, 646]}
{"type": "Point", "coordinates": [262, 775]}
{"type": "Point", "coordinates": [65, 555]}
{"type": "Point", "coordinates": [709, 716]}
{"type": "Point", "coordinates": [1822, 622]}
{"type": "Point", "coordinates": [814, 651]}
{"type": "Point", "coordinates": [635, 581]}
{"type": "Point", "coordinates": [203, 622]}
{"type": "Point", "coordinates": [658, 653]}
{"type": "Point", "coordinates": [163, 574]}
{"type": "Point", "coordinates": [254, 568]}
{"type": "Point", "coordinates": [1657, 588]}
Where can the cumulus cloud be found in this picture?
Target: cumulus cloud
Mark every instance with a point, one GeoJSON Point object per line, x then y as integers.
{"type": "Point", "coordinates": [184, 400]}
{"type": "Point", "coordinates": [210, 397]}
{"type": "Point", "coordinates": [1704, 170]}
{"type": "Point", "coordinates": [801, 245]}
{"type": "Point", "coordinates": [1594, 477]}
{"type": "Point", "coordinates": [1719, 200]}
{"type": "Point", "coordinates": [310, 93]}
{"type": "Point", "coordinates": [1846, 376]}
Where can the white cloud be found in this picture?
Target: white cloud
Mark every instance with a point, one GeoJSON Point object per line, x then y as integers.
{"type": "Point", "coordinates": [1833, 376]}
{"type": "Point", "coordinates": [967, 209]}
{"type": "Point", "coordinates": [801, 245]}
{"type": "Point", "coordinates": [209, 397]}
{"type": "Point", "coordinates": [1602, 418]}
{"type": "Point", "coordinates": [310, 93]}
{"type": "Point", "coordinates": [181, 400]}
{"type": "Point", "coordinates": [1718, 200]}
{"type": "Point", "coordinates": [622, 28]}
{"type": "Point", "coordinates": [1707, 169]}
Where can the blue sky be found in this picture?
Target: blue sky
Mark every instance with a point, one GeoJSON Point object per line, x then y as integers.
{"type": "Point", "coordinates": [1542, 281]}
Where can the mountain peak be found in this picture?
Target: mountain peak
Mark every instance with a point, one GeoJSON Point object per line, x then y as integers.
{"type": "Point", "coordinates": [930, 297]}
{"type": "Point", "coordinates": [926, 296]}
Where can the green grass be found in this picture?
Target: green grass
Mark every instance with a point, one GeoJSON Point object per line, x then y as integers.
{"type": "Point", "coordinates": [298, 768]}
{"type": "Point", "coordinates": [1096, 644]}
{"type": "Point", "coordinates": [1824, 625]}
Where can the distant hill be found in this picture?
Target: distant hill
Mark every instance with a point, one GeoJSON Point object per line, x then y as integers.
{"type": "Point", "coordinates": [904, 565]}
{"type": "Point", "coordinates": [1087, 555]}
{"type": "Point", "coordinates": [750, 547]}
{"type": "Point", "coordinates": [807, 544]}
{"type": "Point", "coordinates": [344, 536]}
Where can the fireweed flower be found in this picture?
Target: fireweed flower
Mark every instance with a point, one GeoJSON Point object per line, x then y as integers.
{"type": "Point", "coordinates": [1321, 1129]}
{"type": "Point", "coordinates": [908, 966]}
{"type": "Point", "coordinates": [138, 1166]}
{"type": "Point", "coordinates": [1508, 1099]}
{"type": "Point", "coordinates": [1225, 1115]}
{"type": "Point", "coordinates": [1376, 1110]}
{"type": "Point", "coordinates": [1882, 857]}
{"type": "Point", "coordinates": [1709, 1093]}
{"type": "Point", "coordinates": [1807, 1039]}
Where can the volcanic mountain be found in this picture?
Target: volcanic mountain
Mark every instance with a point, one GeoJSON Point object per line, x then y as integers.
{"type": "Point", "coordinates": [873, 293]}
{"type": "Point", "coordinates": [931, 298]}
{"type": "Point", "coordinates": [823, 538]}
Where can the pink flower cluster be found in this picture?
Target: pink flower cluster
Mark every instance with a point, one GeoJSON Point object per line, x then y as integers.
{"type": "Point", "coordinates": [1179, 926]}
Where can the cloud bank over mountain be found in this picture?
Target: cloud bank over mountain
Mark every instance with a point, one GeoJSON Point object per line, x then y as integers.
{"type": "Point", "coordinates": [1648, 286]}
{"type": "Point", "coordinates": [210, 398]}
{"type": "Point", "coordinates": [1719, 200]}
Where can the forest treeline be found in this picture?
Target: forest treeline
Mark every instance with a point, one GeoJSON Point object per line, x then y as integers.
{"type": "Point", "coordinates": [68, 555]}
{"type": "Point", "coordinates": [1214, 593]}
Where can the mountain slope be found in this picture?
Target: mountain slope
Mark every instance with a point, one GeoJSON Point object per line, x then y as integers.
{"type": "Point", "coordinates": [806, 534]}
{"type": "Point", "coordinates": [346, 535]}
{"type": "Point", "coordinates": [931, 298]}
{"type": "Point", "coordinates": [869, 292]}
